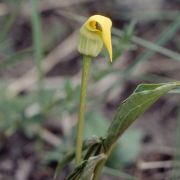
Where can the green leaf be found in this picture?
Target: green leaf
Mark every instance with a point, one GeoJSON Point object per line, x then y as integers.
{"type": "Point", "coordinates": [85, 171]}
{"type": "Point", "coordinates": [88, 171]}
{"type": "Point", "coordinates": [135, 105]}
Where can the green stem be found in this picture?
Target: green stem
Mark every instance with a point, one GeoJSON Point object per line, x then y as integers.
{"type": "Point", "coordinates": [80, 125]}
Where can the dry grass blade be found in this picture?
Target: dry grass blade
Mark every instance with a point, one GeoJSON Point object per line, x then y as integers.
{"type": "Point", "coordinates": [157, 165]}
{"type": "Point", "coordinates": [3, 9]}
{"type": "Point", "coordinates": [64, 51]}
{"type": "Point", "coordinates": [46, 5]}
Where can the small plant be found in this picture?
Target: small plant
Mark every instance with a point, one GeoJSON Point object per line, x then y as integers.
{"type": "Point", "coordinates": [95, 33]}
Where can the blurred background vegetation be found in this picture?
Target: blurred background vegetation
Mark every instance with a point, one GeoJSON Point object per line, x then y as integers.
{"type": "Point", "coordinates": [40, 71]}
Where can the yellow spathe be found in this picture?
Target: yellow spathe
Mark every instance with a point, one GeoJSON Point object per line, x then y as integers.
{"type": "Point", "coordinates": [95, 32]}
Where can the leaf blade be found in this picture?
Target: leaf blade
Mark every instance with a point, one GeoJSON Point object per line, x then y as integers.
{"type": "Point", "coordinates": [135, 105]}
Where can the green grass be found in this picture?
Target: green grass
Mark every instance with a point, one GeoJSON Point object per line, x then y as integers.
{"type": "Point", "coordinates": [37, 43]}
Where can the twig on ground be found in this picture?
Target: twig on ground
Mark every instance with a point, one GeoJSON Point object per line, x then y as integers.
{"type": "Point", "coordinates": [157, 164]}
{"type": "Point", "coordinates": [3, 9]}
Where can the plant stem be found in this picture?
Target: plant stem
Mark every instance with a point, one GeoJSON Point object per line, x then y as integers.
{"type": "Point", "coordinates": [80, 125]}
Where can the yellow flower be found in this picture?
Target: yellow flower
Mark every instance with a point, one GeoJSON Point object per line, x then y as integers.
{"type": "Point", "coordinates": [95, 33]}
